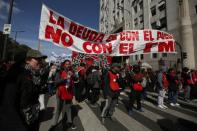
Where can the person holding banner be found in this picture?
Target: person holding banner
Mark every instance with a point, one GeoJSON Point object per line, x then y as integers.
{"type": "Point", "coordinates": [112, 91]}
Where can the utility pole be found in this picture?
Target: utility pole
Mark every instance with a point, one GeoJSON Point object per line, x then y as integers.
{"type": "Point", "coordinates": [7, 35]}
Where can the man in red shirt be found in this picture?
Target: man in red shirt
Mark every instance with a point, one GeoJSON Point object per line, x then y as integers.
{"type": "Point", "coordinates": [111, 90]}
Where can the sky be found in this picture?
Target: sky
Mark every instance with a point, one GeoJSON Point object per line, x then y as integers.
{"type": "Point", "coordinates": [26, 17]}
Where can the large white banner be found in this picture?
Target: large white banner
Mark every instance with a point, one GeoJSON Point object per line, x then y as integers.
{"type": "Point", "coordinates": [65, 33]}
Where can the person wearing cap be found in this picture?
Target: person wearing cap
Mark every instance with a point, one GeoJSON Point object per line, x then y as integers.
{"type": "Point", "coordinates": [111, 91]}
{"type": "Point", "coordinates": [20, 104]}
{"type": "Point", "coordinates": [36, 55]}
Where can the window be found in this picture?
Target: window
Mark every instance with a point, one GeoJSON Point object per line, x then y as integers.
{"type": "Point", "coordinates": [141, 56]}
{"type": "Point", "coordinates": [154, 55]}
{"type": "Point", "coordinates": [118, 13]}
{"type": "Point", "coordinates": [135, 9]}
{"type": "Point", "coordinates": [153, 10]}
{"type": "Point", "coordinates": [141, 5]}
{"type": "Point", "coordinates": [141, 19]}
{"type": "Point", "coordinates": [163, 22]}
{"type": "Point", "coordinates": [136, 57]}
{"type": "Point", "coordinates": [196, 9]}
{"type": "Point", "coordinates": [118, 4]}
{"type": "Point", "coordinates": [164, 55]}
{"type": "Point", "coordinates": [162, 7]}
{"type": "Point", "coordinates": [136, 22]}
{"type": "Point", "coordinates": [154, 25]}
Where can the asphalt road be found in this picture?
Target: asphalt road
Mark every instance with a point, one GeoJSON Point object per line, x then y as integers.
{"type": "Point", "coordinates": [182, 118]}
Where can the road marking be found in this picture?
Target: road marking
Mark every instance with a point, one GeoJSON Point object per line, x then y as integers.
{"type": "Point", "coordinates": [130, 123]}
{"type": "Point", "coordinates": [89, 120]}
{"type": "Point", "coordinates": [171, 112]}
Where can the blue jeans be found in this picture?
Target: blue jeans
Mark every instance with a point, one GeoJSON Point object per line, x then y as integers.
{"type": "Point", "coordinates": [172, 96]}
{"type": "Point", "coordinates": [187, 91]}
{"type": "Point", "coordinates": [50, 88]}
{"type": "Point", "coordinates": [144, 94]}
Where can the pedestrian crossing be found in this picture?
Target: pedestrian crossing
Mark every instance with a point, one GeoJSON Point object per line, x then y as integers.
{"type": "Point", "coordinates": [89, 119]}
{"type": "Point", "coordinates": [172, 112]}
{"type": "Point", "coordinates": [153, 118]}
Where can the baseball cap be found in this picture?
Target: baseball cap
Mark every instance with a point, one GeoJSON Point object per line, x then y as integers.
{"type": "Point", "coordinates": [35, 54]}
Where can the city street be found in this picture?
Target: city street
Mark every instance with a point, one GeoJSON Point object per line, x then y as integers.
{"type": "Point", "coordinates": [53, 51]}
{"type": "Point", "coordinates": [183, 118]}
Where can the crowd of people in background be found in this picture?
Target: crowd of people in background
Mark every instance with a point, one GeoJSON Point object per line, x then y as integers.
{"type": "Point", "coordinates": [24, 84]}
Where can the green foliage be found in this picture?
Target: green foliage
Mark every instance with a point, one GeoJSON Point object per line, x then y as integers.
{"type": "Point", "coordinates": [14, 50]}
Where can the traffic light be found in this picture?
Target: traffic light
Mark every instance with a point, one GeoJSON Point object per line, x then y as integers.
{"type": "Point", "coordinates": [184, 55]}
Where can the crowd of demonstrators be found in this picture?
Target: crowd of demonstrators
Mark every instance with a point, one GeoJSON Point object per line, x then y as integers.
{"type": "Point", "coordinates": [26, 82]}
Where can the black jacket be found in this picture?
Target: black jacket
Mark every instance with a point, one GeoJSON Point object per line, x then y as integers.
{"type": "Point", "coordinates": [173, 85]}
{"type": "Point", "coordinates": [20, 91]}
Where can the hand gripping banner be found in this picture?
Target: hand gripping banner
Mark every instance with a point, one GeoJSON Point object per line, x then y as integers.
{"type": "Point", "coordinates": [65, 33]}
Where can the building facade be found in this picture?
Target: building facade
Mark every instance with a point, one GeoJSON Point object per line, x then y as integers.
{"type": "Point", "coordinates": [178, 17]}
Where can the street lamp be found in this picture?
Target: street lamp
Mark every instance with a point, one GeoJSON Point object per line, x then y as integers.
{"type": "Point", "coordinates": [179, 45]}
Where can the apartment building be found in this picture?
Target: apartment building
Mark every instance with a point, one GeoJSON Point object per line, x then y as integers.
{"type": "Point", "coordinates": [178, 17]}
